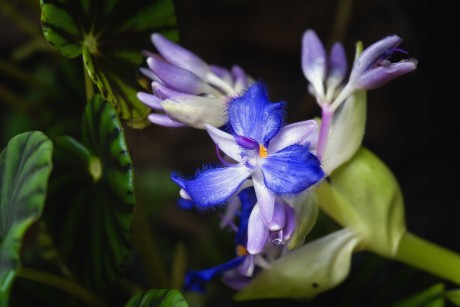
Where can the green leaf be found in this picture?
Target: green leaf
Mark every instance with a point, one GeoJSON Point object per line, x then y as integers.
{"type": "Point", "coordinates": [364, 196]}
{"type": "Point", "coordinates": [347, 132]}
{"type": "Point", "coordinates": [453, 296]}
{"type": "Point", "coordinates": [92, 197]}
{"type": "Point", "coordinates": [25, 165]}
{"type": "Point", "coordinates": [307, 271]}
{"type": "Point", "coordinates": [157, 298]}
{"type": "Point", "coordinates": [110, 35]}
{"type": "Point", "coordinates": [431, 297]}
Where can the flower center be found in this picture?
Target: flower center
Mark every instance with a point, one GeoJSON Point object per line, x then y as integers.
{"type": "Point", "coordinates": [263, 151]}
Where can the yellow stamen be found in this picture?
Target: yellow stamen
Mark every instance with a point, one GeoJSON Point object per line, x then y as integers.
{"type": "Point", "coordinates": [241, 250]}
{"type": "Point", "coordinates": [262, 151]}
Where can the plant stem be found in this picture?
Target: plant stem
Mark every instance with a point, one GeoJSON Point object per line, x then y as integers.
{"type": "Point", "coordinates": [429, 257]}
{"type": "Point", "coordinates": [341, 20]}
{"type": "Point", "coordinates": [326, 120]}
{"type": "Point", "coordinates": [62, 283]}
{"type": "Point", "coordinates": [88, 84]}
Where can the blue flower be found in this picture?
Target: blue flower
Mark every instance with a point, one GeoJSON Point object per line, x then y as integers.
{"type": "Point", "coordinates": [186, 90]}
{"type": "Point", "coordinates": [276, 160]}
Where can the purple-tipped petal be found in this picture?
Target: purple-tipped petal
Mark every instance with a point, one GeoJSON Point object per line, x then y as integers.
{"type": "Point", "coordinates": [265, 197]}
{"type": "Point", "coordinates": [149, 74]}
{"type": "Point", "coordinates": [252, 115]}
{"type": "Point", "coordinates": [290, 224]}
{"type": "Point", "coordinates": [213, 186]}
{"type": "Point", "coordinates": [257, 232]}
{"type": "Point", "coordinates": [279, 216]}
{"type": "Point", "coordinates": [337, 65]}
{"type": "Point", "coordinates": [179, 79]}
{"type": "Point", "coordinates": [225, 141]}
{"type": "Point", "coordinates": [180, 56]}
{"type": "Point", "coordinates": [298, 133]}
{"type": "Point", "coordinates": [372, 53]}
{"type": "Point", "coordinates": [222, 73]}
{"type": "Point", "coordinates": [383, 74]}
{"type": "Point", "coordinates": [164, 120]}
{"type": "Point", "coordinates": [314, 62]}
{"type": "Point", "coordinates": [276, 237]}
{"type": "Point", "coordinates": [291, 170]}
{"type": "Point", "coordinates": [241, 78]}
{"type": "Point", "coordinates": [150, 100]}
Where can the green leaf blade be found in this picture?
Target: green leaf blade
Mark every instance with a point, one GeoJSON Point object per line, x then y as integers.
{"type": "Point", "coordinates": [99, 207]}
{"type": "Point", "coordinates": [110, 35]}
{"type": "Point", "coordinates": [25, 166]}
{"type": "Point", "coordinates": [157, 298]}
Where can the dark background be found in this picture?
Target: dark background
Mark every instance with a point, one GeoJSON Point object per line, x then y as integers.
{"type": "Point", "coordinates": [412, 122]}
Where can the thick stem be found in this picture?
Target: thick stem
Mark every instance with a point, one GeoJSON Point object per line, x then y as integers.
{"type": "Point", "coordinates": [62, 283]}
{"type": "Point", "coordinates": [429, 257]}
{"type": "Point", "coordinates": [326, 120]}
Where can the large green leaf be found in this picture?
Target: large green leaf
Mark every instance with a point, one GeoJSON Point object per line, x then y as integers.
{"type": "Point", "coordinates": [110, 34]}
{"type": "Point", "coordinates": [364, 196]}
{"type": "Point", "coordinates": [92, 197]}
{"type": "Point", "coordinates": [158, 298]}
{"type": "Point", "coordinates": [25, 165]}
{"type": "Point", "coordinates": [306, 271]}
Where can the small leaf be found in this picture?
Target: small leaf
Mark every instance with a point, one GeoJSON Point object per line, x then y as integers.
{"type": "Point", "coordinates": [92, 197]}
{"type": "Point", "coordinates": [110, 35]}
{"type": "Point", "coordinates": [307, 271]}
{"type": "Point", "coordinates": [158, 298]}
{"type": "Point", "coordinates": [25, 166]}
{"type": "Point", "coordinates": [364, 196]}
{"type": "Point", "coordinates": [431, 297]}
{"type": "Point", "coordinates": [453, 296]}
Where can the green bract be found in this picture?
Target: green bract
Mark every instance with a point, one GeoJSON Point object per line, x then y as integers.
{"type": "Point", "coordinates": [364, 196]}
{"type": "Point", "coordinates": [25, 165]}
{"type": "Point", "coordinates": [110, 35]}
{"type": "Point", "coordinates": [306, 271]}
{"type": "Point", "coordinates": [158, 298]}
{"type": "Point", "coordinates": [92, 197]}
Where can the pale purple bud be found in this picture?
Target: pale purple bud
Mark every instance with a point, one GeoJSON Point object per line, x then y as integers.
{"type": "Point", "coordinates": [371, 69]}
{"type": "Point", "coordinates": [222, 73]}
{"type": "Point", "coordinates": [180, 56]}
{"type": "Point", "coordinates": [257, 232]}
{"type": "Point", "coordinates": [164, 120]}
{"type": "Point", "coordinates": [179, 79]}
{"type": "Point", "coordinates": [279, 216]}
{"type": "Point", "coordinates": [337, 65]}
{"type": "Point", "coordinates": [384, 73]}
{"type": "Point", "coordinates": [149, 74]}
{"type": "Point", "coordinates": [314, 60]}
{"type": "Point", "coordinates": [150, 100]}
{"type": "Point", "coordinates": [241, 78]}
